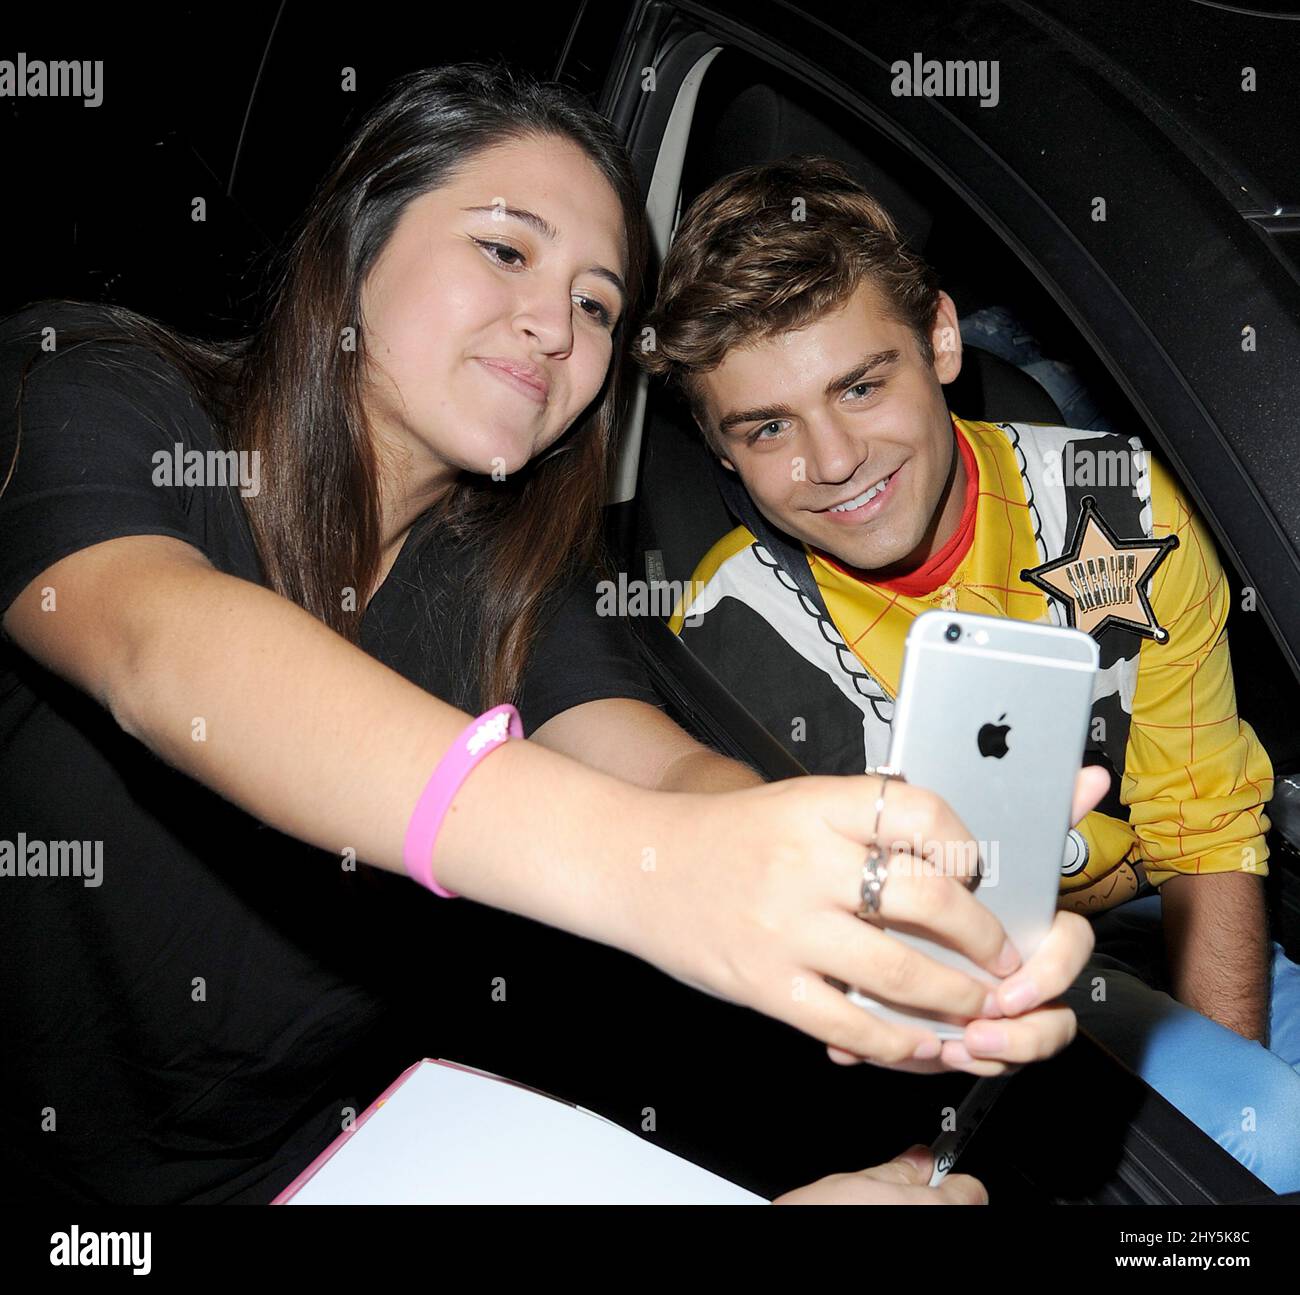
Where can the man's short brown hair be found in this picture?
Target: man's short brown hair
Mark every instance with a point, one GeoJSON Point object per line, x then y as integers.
{"type": "Point", "coordinates": [770, 249]}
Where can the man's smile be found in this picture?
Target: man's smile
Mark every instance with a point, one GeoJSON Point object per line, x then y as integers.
{"type": "Point", "coordinates": [865, 505]}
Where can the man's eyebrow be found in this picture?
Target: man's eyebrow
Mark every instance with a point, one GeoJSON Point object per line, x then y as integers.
{"type": "Point", "coordinates": [765, 413]}
{"type": "Point", "coordinates": [548, 231]}
{"type": "Point", "coordinates": [876, 360]}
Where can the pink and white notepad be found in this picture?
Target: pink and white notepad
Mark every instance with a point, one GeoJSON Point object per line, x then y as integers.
{"type": "Point", "coordinates": [445, 1134]}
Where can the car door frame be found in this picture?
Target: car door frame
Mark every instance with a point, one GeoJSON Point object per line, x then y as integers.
{"type": "Point", "coordinates": [1174, 377]}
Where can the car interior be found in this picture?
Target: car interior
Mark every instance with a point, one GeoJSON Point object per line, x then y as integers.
{"type": "Point", "coordinates": [1130, 1145]}
{"type": "Point", "coordinates": [1079, 1128]}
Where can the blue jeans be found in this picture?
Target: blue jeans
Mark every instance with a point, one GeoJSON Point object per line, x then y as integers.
{"type": "Point", "coordinates": [1243, 1095]}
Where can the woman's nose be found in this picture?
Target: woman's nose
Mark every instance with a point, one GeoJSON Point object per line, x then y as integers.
{"type": "Point", "coordinates": [547, 316]}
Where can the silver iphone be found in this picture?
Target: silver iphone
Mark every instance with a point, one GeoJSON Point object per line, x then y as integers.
{"type": "Point", "coordinates": [992, 715]}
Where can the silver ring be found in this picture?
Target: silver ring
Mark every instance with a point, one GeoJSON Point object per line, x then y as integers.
{"type": "Point", "coordinates": [874, 876]}
{"type": "Point", "coordinates": [874, 870]}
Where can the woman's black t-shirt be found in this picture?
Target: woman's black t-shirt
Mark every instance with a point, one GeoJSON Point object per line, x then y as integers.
{"type": "Point", "coordinates": [194, 1015]}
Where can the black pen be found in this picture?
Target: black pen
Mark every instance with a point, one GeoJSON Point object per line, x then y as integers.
{"type": "Point", "coordinates": [970, 1115]}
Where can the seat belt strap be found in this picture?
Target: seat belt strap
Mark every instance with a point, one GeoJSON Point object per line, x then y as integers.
{"type": "Point", "coordinates": [789, 555]}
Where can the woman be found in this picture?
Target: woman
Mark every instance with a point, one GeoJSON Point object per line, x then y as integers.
{"type": "Point", "coordinates": [213, 583]}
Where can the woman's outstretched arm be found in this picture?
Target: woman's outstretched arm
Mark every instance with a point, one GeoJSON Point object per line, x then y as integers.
{"type": "Point", "coordinates": [750, 894]}
{"type": "Point", "coordinates": [255, 698]}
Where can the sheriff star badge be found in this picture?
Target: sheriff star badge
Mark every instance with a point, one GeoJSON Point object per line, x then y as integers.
{"type": "Point", "coordinates": [1103, 581]}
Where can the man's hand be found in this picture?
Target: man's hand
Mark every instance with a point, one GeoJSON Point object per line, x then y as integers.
{"type": "Point", "coordinates": [1216, 940]}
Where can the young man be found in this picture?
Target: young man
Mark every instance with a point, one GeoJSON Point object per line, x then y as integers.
{"type": "Point", "coordinates": [812, 348]}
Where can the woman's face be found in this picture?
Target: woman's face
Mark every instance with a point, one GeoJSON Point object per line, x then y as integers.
{"type": "Point", "coordinates": [489, 315]}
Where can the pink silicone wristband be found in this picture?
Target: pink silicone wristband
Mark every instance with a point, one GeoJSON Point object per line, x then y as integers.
{"type": "Point", "coordinates": [479, 738]}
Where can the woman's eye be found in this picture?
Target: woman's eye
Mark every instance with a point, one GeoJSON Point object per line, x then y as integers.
{"type": "Point", "coordinates": [499, 252]}
{"type": "Point", "coordinates": [593, 309]}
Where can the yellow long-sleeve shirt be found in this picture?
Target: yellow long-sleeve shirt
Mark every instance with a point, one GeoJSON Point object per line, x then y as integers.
{"type": "Point", "coordinates": [1195, 776]}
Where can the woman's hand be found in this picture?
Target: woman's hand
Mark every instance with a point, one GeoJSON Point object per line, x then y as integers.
{"type": "Point", "coordinates": [900, 1182]}
{"type": "Point", "coordinates": [1024, 1025]}
{"type": "Point", "coordinates": [1031, 1028]}
{"type": "Point", "coordinates": [755, 901]}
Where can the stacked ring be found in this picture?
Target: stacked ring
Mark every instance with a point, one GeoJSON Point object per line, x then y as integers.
{"type": "Point", "coordinates": [874, 870]}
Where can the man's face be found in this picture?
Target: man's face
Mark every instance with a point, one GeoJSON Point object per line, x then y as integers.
{"type": "Point", "coordinates": [840, 433]}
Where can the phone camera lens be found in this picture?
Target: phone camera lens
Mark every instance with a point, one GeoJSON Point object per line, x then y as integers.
{"type": "Point", "coordinates": [952, 633]}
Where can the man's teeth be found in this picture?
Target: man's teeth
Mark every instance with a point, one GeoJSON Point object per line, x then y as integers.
{"type": "Point", "coordinates": [862, 498]}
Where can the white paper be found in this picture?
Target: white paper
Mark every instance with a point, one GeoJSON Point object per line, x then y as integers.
{"type": "Point", "coordinates": [448, 1136]}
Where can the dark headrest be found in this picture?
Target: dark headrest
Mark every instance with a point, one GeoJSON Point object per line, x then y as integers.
{"type": "Point", "coordinates": [992, 389]}
{"type": "Point", "coordinates": [761, 124]}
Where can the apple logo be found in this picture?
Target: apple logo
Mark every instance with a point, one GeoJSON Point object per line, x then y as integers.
{"type": "Point", "coordinates": [992, 738]}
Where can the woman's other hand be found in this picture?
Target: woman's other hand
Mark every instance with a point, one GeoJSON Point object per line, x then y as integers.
{"type": "Point", "coordinates": [903, 1181]}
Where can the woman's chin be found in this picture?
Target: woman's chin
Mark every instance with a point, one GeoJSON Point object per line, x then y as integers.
{"type": "Point", "coordinates": [498, 464]}
{"type": "Point", "coordinates": [496, 454]}
{"type": "Point", "coordinates": [487, 454]}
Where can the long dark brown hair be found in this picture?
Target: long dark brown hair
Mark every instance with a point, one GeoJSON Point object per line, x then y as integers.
{"type": "Point", "coordinates": [293, 393]}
